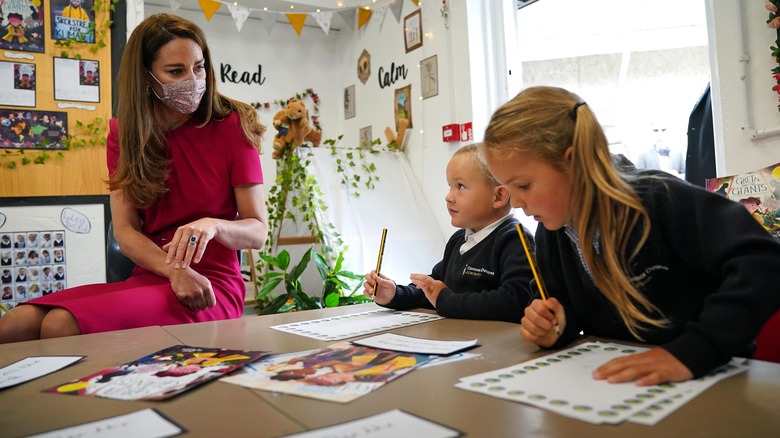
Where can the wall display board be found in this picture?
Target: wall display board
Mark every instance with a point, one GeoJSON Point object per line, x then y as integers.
{"type": "Point", "coordinates": [55, 97]}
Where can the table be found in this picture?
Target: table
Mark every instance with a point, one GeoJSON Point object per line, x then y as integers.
{"type": "Point", "coordinates": [744, 405]}
{"type": "Point", "coordinates": [209, 410]}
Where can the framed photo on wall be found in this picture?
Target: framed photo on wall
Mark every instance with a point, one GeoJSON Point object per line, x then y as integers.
{"type": "Point", "coordinates": [429, 77]}
{"type": "Point", "coordinates": [403, 105]}
{"type": "Point", "coordinates": [413, 31]}
{"type": "Point", "coordinates": [349, 102]}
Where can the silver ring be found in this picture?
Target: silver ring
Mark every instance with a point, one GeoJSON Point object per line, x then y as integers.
{"type": "Point", "coordinates": [193, 240]}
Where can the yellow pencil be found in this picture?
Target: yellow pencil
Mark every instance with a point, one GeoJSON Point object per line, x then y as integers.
{"type": "Point", "coordinates": [531, 262]}
{"type": "Point", "coordinates": [379, 260]}
{"type": "Point", "coordinates": [537, 277]}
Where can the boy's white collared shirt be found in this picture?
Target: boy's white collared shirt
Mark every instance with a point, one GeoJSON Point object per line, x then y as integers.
{"type": "Point", "coordinates": [472, 238]}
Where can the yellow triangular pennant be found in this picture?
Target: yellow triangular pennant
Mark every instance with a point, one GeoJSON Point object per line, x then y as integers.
{"type": "Point", "coordinates": [363, 16]}
{"type": "Point", "coordinates": [297, 21]}
{"type": "Point", "coordinates": [416, 2]}
{"type": "Point", "coordinates": [209, 8]}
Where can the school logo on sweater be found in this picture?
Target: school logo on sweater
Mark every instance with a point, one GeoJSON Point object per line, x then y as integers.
{"type": "Point", "coordinates": [646, 275]}
{"type": "Point", "coordinates": [476, 272]}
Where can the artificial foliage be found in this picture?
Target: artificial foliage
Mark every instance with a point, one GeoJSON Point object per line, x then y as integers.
{"type": "Point", "coordinates": [774, 22]}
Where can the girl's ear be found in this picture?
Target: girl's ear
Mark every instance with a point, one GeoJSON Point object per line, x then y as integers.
{"type": "Point", "coordinates": [501, 198]}
{"type": "Point", "coordinates": [567, 153]}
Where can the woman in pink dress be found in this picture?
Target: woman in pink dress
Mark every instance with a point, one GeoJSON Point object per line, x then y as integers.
{"type": "Point", "coordinates": [186, 194]}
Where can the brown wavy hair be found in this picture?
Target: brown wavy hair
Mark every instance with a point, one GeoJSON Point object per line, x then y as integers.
{"type": "Point", "coordinates": [143, 163]}
{"type": "Point", "coordinates": [545, 122]}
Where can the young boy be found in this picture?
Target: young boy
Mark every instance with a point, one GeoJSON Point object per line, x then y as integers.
{"type": "Point", "coordinates": [484, 273]}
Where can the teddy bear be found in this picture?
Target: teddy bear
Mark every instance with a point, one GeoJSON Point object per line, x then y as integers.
{"type": "Point", "coordinates": [292, 122]}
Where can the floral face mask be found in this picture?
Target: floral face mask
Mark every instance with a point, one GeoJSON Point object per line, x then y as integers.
{"type": "Point", "coordinates": [182, 96]}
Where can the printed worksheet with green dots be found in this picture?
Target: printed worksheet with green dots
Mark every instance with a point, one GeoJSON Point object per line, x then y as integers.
{"type": "Point", "coordinates": [562, 382]}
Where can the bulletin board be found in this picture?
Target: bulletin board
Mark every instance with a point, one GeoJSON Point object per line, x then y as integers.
{"type": "Point", "coordinates": [55, 76]}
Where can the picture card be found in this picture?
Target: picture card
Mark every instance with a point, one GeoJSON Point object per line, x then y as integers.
{"type": "Point", "coordinates": [17, 84]}
{"type": "Point", "coordinates": [76, 80]}
{"type": "Point", "coordinates": [341, 372]}
{"type": "Point", "coordinates": [409, 344]}
{"type": "Point", "coordinates": [336, 328]}
{"type": "Point", "coordinates": [160, 375]}
{"type": "Point", "coordinates": [146, 423]}
{"type": "Point", "coordinates": [562, 382]}
{"type": "Point", "coordinates": [33, 367]}
{"type": "Point", "coordinates": [390, 424]}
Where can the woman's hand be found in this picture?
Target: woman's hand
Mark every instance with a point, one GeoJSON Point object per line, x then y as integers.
{"type": "Point", "coordinates": [645, 369]}
{"type": "Point", "coordinates": [192, 289]}
{"type": "Point", "coordinates": [432, 288]}
{"type": "Point", "coordinates": [543, 322]}
{"type": "Point", "coordinates": [385, 288]}
{"type": "Point", "coordinates": [190, 241]}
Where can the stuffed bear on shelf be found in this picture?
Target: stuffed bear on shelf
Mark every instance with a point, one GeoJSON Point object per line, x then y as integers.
{"type": "Point", "coordinates": [292, 124]}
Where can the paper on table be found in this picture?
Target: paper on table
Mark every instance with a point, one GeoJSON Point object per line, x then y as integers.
{"type": "Point", "coordinates": [341, 327]}
{"type": "Point", "coordinates": [408, 344]}
{"type": "Point", "coordinates": [146, 423]}
{"type": "Point", "coordinates": [33, 367]}
{"type": "Point", "coordinates": [390, 424]}
{"type": "Point", "coordinates": [562, 382]}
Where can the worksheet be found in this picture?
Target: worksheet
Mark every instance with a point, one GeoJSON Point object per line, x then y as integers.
{"type": "Point", "coordinates": [336, 328]}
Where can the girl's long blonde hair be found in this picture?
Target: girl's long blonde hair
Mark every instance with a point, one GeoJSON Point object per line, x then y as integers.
{"type": "Point", "coordinates": [545, 122]}
{"type": "Point", "coordinates": [143, 161]}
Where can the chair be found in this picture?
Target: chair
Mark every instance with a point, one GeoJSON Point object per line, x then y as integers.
{"type": "Point", "coordinates": [120, 267]}
{"type": "Point", "coordinates": [768, 341]}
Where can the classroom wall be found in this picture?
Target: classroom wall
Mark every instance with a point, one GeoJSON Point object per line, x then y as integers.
{"type": "Point", "coordinates": [747, 120]}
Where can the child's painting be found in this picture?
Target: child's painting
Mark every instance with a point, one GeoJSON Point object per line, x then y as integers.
{"type": "Point", "coordinates": [73, 19]}
{"type": "Point", "coordinates": [21, 25]}
{"type": "Point", "coordinates": [403, 105]}
{"type": "Point", "coordinates": [160, 375]}
{"type": "Point", "coordinates": [21, 129]}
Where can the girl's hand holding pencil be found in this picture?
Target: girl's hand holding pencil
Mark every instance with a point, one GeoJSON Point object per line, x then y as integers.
{"type": "Point", "coordinates": [385, 288]}
{"type": "Point", "coordinates": [543, 322]}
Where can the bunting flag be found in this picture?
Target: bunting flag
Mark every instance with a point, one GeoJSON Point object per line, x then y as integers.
{"type": "Point", "coordinates": [268, 19]}
{"type": "Point", "coordinates": [324, 19]}
{"type": "Point", "coordinates": [175, 4]}
{"type": "Point", "coordinates": [416, 2]}
{"type": "Point", "coordinates": [297, 21]}
{"type": "Point", "coordinates": [348, 17]}
{"type": "Point", "coordinates": [397, 6]}
{"type": "Point", "coordinates": [239, 14]}
{"type": "Point", "coordinates": [363, 16]}
{"type": "Point", "coordinates": [209, 7]}
{"type": "Point", "coordinates": [379, 15]}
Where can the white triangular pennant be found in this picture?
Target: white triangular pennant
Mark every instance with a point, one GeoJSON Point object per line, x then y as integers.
{"type": "Point", "coordinates": [239, 14]}
{"type": "Point", "coordinates": [348, 17]}
{"type": "Point", "coordinates": [175, 4]}
{"type": "Point", "coordinates": [323, 19]}
{"type": "Point", "coordinates": [379, 15]}
{"type": "Point", "coordinates": [268, 19]}
{"type": "Point", "coordinates": [397, 7]}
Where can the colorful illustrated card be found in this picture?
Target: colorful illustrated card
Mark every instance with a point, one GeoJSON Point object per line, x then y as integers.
{"type": "Point", "coordinates": [341, 372]}
{"type": "Point", "coordinates": [22, 29]}
{"type": "Point", "coordinates": [73, 20]}
{"type": "Point", "coordinates": [160, 375]}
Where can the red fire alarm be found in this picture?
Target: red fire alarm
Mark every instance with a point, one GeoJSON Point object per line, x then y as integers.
{"type": "Point", "coordinates": [466, 133]}
{"type": "Point", "coordinates": [449, 133]}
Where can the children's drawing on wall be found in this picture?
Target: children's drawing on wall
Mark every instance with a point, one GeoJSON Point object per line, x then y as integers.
{"type": "Point", "coordinates": [349, 102]}
{"type": "Point", "coordinates": [429, 76]}
{"type": "Point", "coordinates": [32, 264]}
{"type": "Point", "coordinates": [33, 129]}
{"type": "Point", "coordinates": [17, 84]}
{"type": "Point", "coordinates": [403, 106]}
{"type": "Point", "coordinates": [365, 137]}
{"type": "Point", "coordinates": [76, 80]}
{"type": "Point", "coordinates": [72, 19]}
{"type": "Point", "coordinates": [413, 31]}
{"type": "Point", "coordinates": [22, 25]}
{"type": "Point", "coordinates": [364, 66]}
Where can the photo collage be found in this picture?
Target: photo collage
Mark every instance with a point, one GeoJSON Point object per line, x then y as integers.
{"type": "Point", "coordinates": [32, 264]}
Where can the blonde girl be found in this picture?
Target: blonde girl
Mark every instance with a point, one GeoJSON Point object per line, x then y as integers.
{"type": "Point", "coordinates": [627, 254]}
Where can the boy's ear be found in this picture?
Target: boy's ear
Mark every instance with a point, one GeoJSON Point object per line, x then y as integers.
{"type": "Point", "coordinates": [501, 197]}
